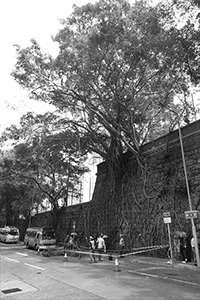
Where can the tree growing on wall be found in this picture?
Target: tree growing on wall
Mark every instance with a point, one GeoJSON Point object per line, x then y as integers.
{"type": "Point", "coordinates": [119, 67]}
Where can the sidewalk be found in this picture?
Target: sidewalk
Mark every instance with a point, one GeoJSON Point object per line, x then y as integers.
{"type": "Point", "coordinates": [163, 262]}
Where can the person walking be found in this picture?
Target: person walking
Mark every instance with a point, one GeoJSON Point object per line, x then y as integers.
{"type": "Point", "coordinates": [101, 246]}
{"type": "Point", "coordinates": [92, 249]}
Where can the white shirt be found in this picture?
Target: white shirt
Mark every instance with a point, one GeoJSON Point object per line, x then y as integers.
{"type": "Point", "coordinates": [101, 243]}
{"type": "Point", "coordinates": [92, 244]}
{"type": "Point", "coordinates": [192, 243]}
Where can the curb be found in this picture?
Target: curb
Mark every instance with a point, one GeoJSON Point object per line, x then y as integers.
{"type": "Point", "coordinates": [156, 261]}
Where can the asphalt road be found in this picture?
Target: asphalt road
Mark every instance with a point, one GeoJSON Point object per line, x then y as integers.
{"type": "Point", "coordinates": [27, 275]}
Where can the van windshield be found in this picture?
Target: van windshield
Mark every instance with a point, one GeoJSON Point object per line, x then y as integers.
{"type": "Point", "coordinates": [13, 232]}
{"type": "Point", "coordinates": [48, 235]}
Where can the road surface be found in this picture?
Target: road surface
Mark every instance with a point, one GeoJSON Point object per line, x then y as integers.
{"type": "Point", "coordinates": [27, 275]}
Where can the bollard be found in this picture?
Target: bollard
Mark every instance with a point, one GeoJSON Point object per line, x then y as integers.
{"type": "Point", "coordinates": [116, 265]}
{"type": "Point", "coordinates": [65, 257]}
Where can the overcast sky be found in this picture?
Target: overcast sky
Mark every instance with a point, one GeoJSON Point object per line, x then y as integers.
{"type": "Point", "coordinates": [20, 21]}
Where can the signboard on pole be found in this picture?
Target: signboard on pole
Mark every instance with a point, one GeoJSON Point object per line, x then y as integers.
{"type": "Point", "coordinates": [167, 220]}
{"type": "Point", "coordinates": [166, 217]}
{"type": "Point", "coordinates": [191, 214]}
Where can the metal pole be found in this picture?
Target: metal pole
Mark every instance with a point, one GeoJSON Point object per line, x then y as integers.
{"type": "Point", "coordinates": [29, 222]}
{"type": "Point", "coordinates": [170, 245]}
{"type": "Point", "coordinates": [190, 202]}
{"type": "Point", "coordinates": [90, 188]}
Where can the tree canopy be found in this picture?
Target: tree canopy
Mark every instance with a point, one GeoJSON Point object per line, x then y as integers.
{"type": "Point", "coordinates": [45, 163]}
{"type": "Point", "coordinates": [113, 85]}
{"type": "Point", "coordinates": [118, 70]}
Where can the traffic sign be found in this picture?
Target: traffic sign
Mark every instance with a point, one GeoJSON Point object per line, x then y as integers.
{"type": "Point", "coordinates": [167, 220]}
{"type": "Point", "coordinates": [191, 214]}
{"type": "Point", "coordinates": [166, 214]}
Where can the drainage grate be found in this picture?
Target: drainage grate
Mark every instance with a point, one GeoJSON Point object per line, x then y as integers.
{"type": "Point", "coordinates": [11, 291]}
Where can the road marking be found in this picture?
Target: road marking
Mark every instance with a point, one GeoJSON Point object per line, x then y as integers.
{"type": "Point", "coordinates": [10, 247]}
{"type": "Point", "coordinates": [34, 266]}
{"type": "Point", "coordinates": [11, 259]}
{"type": "Point", "coordinates": [23, 254]}
{"type": "Point", "coordinates": [142, 273]}
{"type": "Point", "coordinates": [163, 277]}
{"type": "Point", "coordinates": [182, 281]}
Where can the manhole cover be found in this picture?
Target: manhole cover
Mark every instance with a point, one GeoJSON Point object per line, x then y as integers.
{"type": "Point", "coordinates": [9, 291]}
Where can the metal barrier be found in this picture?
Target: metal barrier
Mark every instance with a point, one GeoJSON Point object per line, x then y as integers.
{"type": "Point", "coordinates": [110, 254]}
{"type": "Point", "coordinates": [117, 255]}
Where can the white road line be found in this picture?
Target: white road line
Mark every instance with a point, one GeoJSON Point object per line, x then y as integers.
{"type": "Point", "coordinates": [11, 259]}
{"type": "Point", "coordinates": [142, 273]}
{"type": "Point", "coordinates": [23, 254]}
{"type": "Point", "coordinates": [163, 277]}
{"type": "Point", "coordinates": [182, 281]}
{"type": "Point", "coordinates": [34, 266]}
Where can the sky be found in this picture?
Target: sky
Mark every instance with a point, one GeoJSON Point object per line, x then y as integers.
{"type": "Point", "coordinates": [20, 21]}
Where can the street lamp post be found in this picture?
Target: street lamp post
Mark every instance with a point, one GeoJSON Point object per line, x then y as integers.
{"type": "Point", "coordinates": [189, 199]}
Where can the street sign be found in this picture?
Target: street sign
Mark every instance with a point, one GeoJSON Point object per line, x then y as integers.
{"type": "Point", "coordinates": [167, 220]}
{"type": "Point", "coordinates": [166, 214]}
{"type": "Point", "coordinates": [191, 214]}
{"type": "Point", "coordinates": [166, 217]}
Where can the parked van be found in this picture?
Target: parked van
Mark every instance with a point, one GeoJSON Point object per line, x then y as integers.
{"type": "Point", "coordinates": [40, 237]}
{"type": "Point", "coordinates": [9, 234]}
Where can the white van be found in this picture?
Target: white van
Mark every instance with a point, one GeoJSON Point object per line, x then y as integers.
{"type": "Point", "coordinates": [40, 238]}
{"type": "Point", "coordinates": [9, 234]}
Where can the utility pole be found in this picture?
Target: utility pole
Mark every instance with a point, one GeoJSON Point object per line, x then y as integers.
{"type": "Point", "coordinates": [189, 199]}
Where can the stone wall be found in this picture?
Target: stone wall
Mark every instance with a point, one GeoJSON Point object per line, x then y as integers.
{"type": "Point", "coordinates": [134, 205]}
{"type": "Point", "coordinates": [75, 214]}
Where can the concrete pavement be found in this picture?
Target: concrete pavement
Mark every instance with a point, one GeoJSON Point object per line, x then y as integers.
{"type": "Point", "coordinates": [163, 262]}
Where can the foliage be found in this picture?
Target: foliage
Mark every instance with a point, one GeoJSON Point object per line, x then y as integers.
{"type": "Point", "coordinates": [114, 82]}
{"type": "Point", "coordinates": [47, 162]}
{"type": "Point", "coordinates": [15, 195]}
{"type": "Point", "coordinates": [118, 68]}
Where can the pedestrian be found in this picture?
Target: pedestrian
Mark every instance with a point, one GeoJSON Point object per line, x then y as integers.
{"type": "Point", "coordinates": [71, 242]}
{"type": "Point", "coordinates": [66, 241]}
{"type": "Point", "coordinates": [101, 246]}
{"type": "Point", "coordinates": [121, 245]}
{"type": "Point", "coordinates": [183, 248]}
{"type": "Point", "coordinates": [92, 249]}
{"type": "Point", "coordinates": [192, 243]}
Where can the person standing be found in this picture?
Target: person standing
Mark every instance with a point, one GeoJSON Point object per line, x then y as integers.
{"type": "Point", "coordinates": [101, 246]}
{"type": "Point", "coordinates": [192, 243]}
{"type": "Point", "coordinates": [66, 241]}
{"type": "Point", "coordinates": [183, 249]}
{"type": "Point", "coordinates": [92, 248]}
{"type": "Point", "coordinates": [121, 244]}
